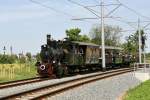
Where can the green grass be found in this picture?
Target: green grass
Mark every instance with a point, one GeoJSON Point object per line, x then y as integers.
{"type": "Point", "coordinates": [11, 72]}
{"type": "Point", "coordinates": [141, 92]}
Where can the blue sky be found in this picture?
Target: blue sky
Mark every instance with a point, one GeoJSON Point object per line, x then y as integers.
{"type": "Point", "coordinates": [24, 25]}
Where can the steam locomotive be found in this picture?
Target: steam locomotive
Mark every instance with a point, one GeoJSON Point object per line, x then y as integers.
{"type": "Point", "coordinates": [59, 58]}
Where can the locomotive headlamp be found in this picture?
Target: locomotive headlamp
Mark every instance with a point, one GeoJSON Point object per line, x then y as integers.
{"type": "Point", "coordinates": [42, 67]}
{"type": "Point", "coordinates": [54, 62]}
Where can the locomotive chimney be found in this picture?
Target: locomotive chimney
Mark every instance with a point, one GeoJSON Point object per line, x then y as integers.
{"type": "Point", "coordinates": [48, 39]}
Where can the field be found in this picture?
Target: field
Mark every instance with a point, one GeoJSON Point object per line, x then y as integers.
{"type": "Point", "coordinates": [10, 72]}
{"type": "Point", "coordinates": [139, 93]}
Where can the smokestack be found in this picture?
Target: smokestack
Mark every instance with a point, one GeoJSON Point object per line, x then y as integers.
{"type": "Point", "coordinates": [48, 39]}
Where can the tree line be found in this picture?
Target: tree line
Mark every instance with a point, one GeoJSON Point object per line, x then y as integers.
{"type": "Point", "coordinates": [10, 59]}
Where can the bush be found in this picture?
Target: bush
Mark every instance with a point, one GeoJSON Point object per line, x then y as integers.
{"type": "Point", "coordinates": [8, 59]}
{"type": "Point", "coordinates": [22, 59]}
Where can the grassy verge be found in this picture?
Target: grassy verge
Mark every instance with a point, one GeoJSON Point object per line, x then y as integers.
{"type": "Point", "coordinates": [141, 92]}
{"type": "Point", "coordinates": [11, 72]}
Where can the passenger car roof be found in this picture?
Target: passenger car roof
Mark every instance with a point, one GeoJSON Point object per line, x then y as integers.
{"type": "Point", "coordinates": [95, 45]}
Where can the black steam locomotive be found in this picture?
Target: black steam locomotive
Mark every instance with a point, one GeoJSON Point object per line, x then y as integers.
{"type": "Point", "coordinates": [58, 58]}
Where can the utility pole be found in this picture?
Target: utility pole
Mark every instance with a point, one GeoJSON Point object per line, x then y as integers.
{"type": "Point", "coordinates": [103, 36]}
{"type": "Point", "coordinates": [4, 49]}
{"type": "Point", "coordinates": [139, 31]}
{"type": "Point", "coordinates": [11, 52]}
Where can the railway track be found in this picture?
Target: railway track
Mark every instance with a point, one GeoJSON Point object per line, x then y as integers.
{"type": "Point", "coordinates": [47, 91]}
{"type": "Point", "coordinates": [20, 82]}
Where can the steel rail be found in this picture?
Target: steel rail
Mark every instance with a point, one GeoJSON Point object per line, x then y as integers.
{"type": "Point", "coordinates": [20, 82]}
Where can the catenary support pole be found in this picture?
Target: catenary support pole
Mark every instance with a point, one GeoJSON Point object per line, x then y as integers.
{"type": "Point", "coordinates": [139, 31]}
{"type": "Point", "coordinates": [103, 35]}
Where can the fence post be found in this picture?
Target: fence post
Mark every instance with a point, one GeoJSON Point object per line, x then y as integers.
{"type": "Point", "coordinates": [29, 67]}
{"type": "Point", "coordinates": [13, 71]}
{"type": "Point", "coordinates": [9, 72]}
{"type": "Point", "coordinates": [0, 71]}
{"type": "Point", "coordinates": [3, 71]}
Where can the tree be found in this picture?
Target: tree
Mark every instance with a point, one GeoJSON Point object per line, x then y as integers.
{"type": "Point", "coordinates": [8, 59]}
{"type": "Point", "coordinates": [29, 56]}
{"type": "Point", "coordinates": [13, 58]}
{"type": "Point", "coordinates": [38, 57]}
{"type": "Point", "coordinates": [131, 45]}
{"type": "Point", "coordinates": [74, 35]}
{"type": "Point", "coordinates": [22, 58]}
{"type": "Point", "coordinates": [84, 38]}
{"type": "Point", "coordinates": [112, 35]}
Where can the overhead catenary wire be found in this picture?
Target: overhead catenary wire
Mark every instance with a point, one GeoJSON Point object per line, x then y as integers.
{"type": "Point", "coordinates": [91, 10]}
{"type": "Point", "coordinates": [134, 11]}
{"type": "Point", "coordinates": [94, 11]}
{"type": "Point", "coordinates": [56, 10]}
{"type": "Point", "coordinates": [113, 10]}
{"type": "Point", "coordinates": [96, 1]}
{"type": "Point", "coordinates": [146, 25]}
{"type": "Point", "coordinates": [119, 18]}
{"type": "Point", "coordinates": [101, 5]}
{"type": "Point", "coordinates": [53, 9]}
{"type": "Point", "coordinates": [126, 22]}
